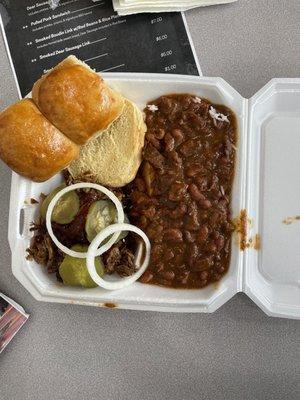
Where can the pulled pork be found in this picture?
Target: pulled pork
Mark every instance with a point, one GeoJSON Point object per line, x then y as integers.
{"type": "Point", "coordinates": [43, 250]}
{"type": "Point", "coordinates": [118, 259]}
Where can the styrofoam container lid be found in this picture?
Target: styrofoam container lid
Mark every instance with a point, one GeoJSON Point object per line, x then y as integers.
{"type": "Point", "coordinates": [272, 275]}
{"type": "Point", "coordinates": [265, 185]}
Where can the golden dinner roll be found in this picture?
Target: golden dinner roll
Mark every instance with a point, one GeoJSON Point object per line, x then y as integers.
{"type": "Point", "coordinates": [76, 100]}
{"type": "Point", "coordinates": [30, 145]}
{"type": "Point", "coordinates": [113, 158]}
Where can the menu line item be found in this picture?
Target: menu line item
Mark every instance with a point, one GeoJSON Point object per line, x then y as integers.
{"type": "Point", "coordinates": [93, 58]}
{"type": "Point", "coordinates": [86, 8]}
{"type": "Point", "coordinates": [111, 68]}
{"type": "Point", "coordinates": [99, 40]}
{"type": "Point", "coordinates": [64, 3]}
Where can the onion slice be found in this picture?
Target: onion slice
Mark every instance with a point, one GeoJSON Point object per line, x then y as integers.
{"type": "Point", "coordinates": [84, 185]}
{"type": "Point", "coordinates": [92, 252]}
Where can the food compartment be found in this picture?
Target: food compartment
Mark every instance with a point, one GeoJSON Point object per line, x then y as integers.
{"type": "Point", "coordinates": [140, 88]}
{"type": "Point", "coordinates": [272, 277]}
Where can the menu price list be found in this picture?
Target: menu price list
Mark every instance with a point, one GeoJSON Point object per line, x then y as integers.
{"type": "Point", "coordinates": [39, 37]}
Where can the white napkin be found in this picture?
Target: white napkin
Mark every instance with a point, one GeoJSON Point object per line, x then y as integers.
{"type": "Point", "coordinates": [126, 7]}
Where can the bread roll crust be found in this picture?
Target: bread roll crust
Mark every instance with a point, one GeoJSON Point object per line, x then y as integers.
{"type": "Point", "coordinates": [30, 145]}
{"type": "Point", "coordinates": [76, 100]}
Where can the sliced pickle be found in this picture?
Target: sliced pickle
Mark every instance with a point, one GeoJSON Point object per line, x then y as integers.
{"type": "Point", "coordinates": [102, 213]}
{"type": "Point", "coordinates": [65, 209]}
{"type": "Point", "coordinates": [74, 272]}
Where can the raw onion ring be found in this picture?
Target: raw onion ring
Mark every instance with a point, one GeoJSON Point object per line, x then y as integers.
{"type": "Point", "coordinates": [84, 185]}
{"type": "Point", "coordinates": [92, 252]}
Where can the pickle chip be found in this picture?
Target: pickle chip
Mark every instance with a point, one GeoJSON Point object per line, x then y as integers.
{"type": "Point", "coordinates": [74, 272]}
{"type": "Point", "coordinates": [101, 214]}
{"type": "Point", "coordinates": [65, 209]}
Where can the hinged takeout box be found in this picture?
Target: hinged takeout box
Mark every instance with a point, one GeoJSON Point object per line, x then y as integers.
{"type": "Point", "coordinates": [265, 200]}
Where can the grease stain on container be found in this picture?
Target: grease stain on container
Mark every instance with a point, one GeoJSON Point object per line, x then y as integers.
{"type": "Point", "coordinates": [257, 242]}
{"type": "Point", "coordinates": [290, 220]}
{"type": "Point", "coordinates": [30, 202]}
{"type": "Point", "coordinates": [110, 305]}
{"type": "Point", "coordinates": [241, 224]}
{"type": "Point", "coordinates": [216, 285]}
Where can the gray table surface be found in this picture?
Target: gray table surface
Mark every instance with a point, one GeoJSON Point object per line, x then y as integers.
{"type": "Point", "coordinates": [75, 352]}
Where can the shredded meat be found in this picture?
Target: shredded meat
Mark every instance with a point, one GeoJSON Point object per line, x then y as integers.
{"type": "Point", "coordinates": [111, 258]}
{"type": "Point", "coordinates": [119, 259]}
{"type": "Point", "coordinates": [74, 232]}
{"type": "Point", "coordinates": [126, 266]}
{"type": "Point", "coordinates": [43, 250]}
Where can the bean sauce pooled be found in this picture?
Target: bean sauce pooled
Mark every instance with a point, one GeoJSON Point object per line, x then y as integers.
{"type": "Point", "coordinates": [181, 195]}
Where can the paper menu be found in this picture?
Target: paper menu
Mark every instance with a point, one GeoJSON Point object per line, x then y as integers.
{"type": "Point", "coordinates": [38, 38]}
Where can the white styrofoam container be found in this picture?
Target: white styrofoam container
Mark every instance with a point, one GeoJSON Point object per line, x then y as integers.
{"type": "Point", "coordinates": [265, 185]}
